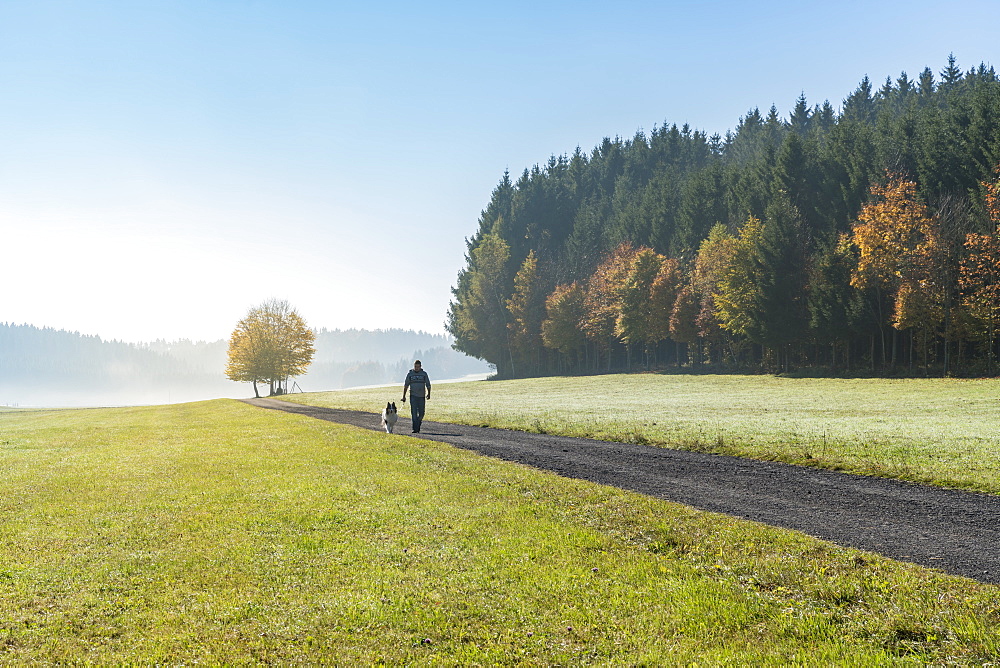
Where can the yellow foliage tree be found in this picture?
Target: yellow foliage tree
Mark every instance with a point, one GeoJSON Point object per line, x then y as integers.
{"type": "Point", "coordinates": [602, 301]}
{"type": "Point", "coordinates": [684, 318]}
{"type": "Point", "coordinates": [270, 344]}
{"type": "Point", "coordinates": [527, 309]}
{"type": "Point", "coordinates": [899, 244]}
{"type": "Point", "coordinates": [632, 325]}
{"type": "Point", "coordinates": [734, 290]}
{"type": "Point", "coordinates": [979, 274]}
{"type": "Point", "coordinates": [713, 262]}
{"type": "Point", "coordinates": [662, 297]}
{"type": "Point", "coordinates": [895, 236]}
{"type": "Point", "coordinates": [561, 328]}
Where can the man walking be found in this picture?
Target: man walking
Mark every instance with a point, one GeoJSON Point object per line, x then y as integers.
{"type": "Point", "coordinates": [420, 390]}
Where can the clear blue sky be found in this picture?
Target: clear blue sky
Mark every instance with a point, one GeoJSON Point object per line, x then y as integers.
{"type": "Point", "coordinates": [166, 165]}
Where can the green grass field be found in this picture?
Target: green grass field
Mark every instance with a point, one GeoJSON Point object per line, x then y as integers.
{"type": "Point", "coordinates": [221, 533]}
{"type": "Point", "coordinates": [940, 431]}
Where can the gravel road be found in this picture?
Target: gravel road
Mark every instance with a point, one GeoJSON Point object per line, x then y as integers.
{"type": "Point", "coordinates": [957, 532]}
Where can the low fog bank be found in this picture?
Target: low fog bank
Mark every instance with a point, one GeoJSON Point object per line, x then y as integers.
{"type": "Point", "coordinates": [56, 368]}
{"type": "Point", "coordinates": [86, 395]}
{"type": "Point", "coordinates": [441, 363]}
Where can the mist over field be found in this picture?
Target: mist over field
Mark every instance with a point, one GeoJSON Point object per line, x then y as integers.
{"type": "Point", "coordinates": [56, 368]}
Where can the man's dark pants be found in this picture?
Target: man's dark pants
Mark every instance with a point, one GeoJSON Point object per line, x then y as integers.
{"type": "Point", "coordinates": [417, 411]}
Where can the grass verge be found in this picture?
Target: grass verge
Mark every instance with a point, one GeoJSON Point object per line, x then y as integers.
{"type": "Point", "coordinates": [220, 533]}
{"type": "Point", "coordinates": [938, 431]}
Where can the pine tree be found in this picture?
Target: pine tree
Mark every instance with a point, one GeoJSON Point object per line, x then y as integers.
{"type": "Point", "coordinates": [885, 93]}
{"type": "Point", "coordinates": [860, 105]}
{"type": "Point", "coordinates": [800, 118]}
{"type": "Point", "coordinates": [925, 85]}
{"type": "Point", "coordinates": [700, 206]}
{"type": "Point", "coordinates": [774, 129]}
{"type": "Point", "coordinates": [950, 75]}
{"type": "Point", "coordinates": [830, 296]}
{"type": "Point", "coordinates": [824, 118]}
{"type": "Point", "coordinates": [796, 176]}
{"type": "Point", "coordinates": [904, 87]}
{"type": "Point", "coordinates": [478, 317]}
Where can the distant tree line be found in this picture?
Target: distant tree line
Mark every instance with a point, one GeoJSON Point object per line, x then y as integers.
{"type": "Point", "coordinates": [50, 367]}
{"type": "Point", "coordinates": [357, 345]}
{"type": "Point", "coordinates": [355, 357]}
{"type": "Point", "coordinates": [443, 362]}
{"type": "Point", "coordinates": [45, 366]}
{"type": "Point", "coordinates": [864, 239]}
{"type": "Point", "coordinates": [43, 355]}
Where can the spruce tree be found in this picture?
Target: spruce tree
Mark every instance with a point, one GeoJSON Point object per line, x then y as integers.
{"type": "Point", "coordinates": [925, 85]}
{"type": "Point", "coordinates": [950, 75]}
{"type": "Point", "coordinates": [860, 105]}
{"type": "Point", "coordinates": [799, 119]}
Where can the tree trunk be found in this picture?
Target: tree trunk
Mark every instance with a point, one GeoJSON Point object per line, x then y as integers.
{"type": "Point", "coordinates": [911, 350]}
{"type": "Point", "coordinates": [885, 355]}
{"type": "Point", "coordinates": [927, 360]}
{"type": "Point", "coordinates": [947, 334]}
{"type": "Point", "coordinates": [895, 345]}
{"type": "Point", "coordinates": [989, 354]}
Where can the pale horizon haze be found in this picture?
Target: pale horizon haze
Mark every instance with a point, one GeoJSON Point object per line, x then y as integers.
{"type": "Point", "coordinates": [164, 166]}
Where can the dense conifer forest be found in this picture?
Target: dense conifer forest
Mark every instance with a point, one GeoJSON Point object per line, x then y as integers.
{"type": "Point", "coordinates": [859, 239]}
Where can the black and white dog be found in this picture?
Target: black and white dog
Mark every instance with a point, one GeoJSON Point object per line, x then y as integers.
{"type": "Point", "coordinates": [389, 417]}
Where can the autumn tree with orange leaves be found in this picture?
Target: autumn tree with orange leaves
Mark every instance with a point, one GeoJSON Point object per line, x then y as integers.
{"type": "Point", "coordinates": [602, 303]}
{"type": "Point", "coordinates": [634, 324]}
{"type": "Point", "coordinates": [897, 242]}
{"type": "Point", "coordinates": [662, 298]}
{"type": "Point", "coordinates": [684, 318]}
{"type": "Point", "coordinates": [564, 311]}
{"type": "Point", "coordinates": [711, 266]}
{"type": "Point", "coordinates": [979, 273]}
